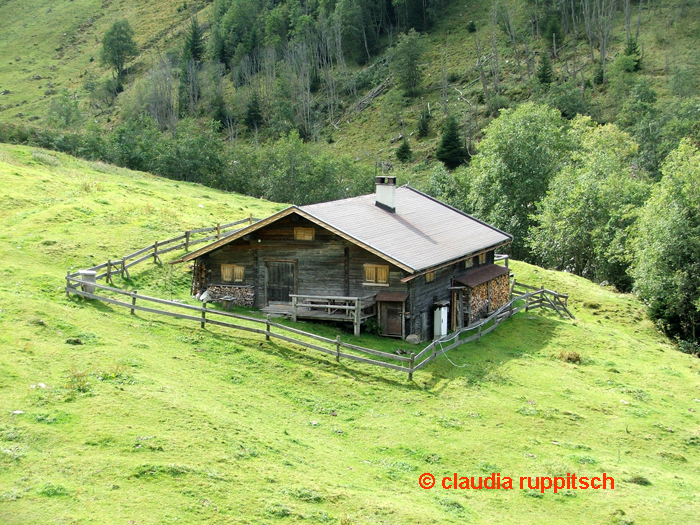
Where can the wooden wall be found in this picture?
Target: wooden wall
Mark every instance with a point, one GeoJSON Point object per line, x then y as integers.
{"type": "Point", "coordinates": [328, 265]}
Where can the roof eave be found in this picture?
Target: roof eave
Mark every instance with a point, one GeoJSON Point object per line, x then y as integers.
{"type": "Point", "coordinates": [461, 258]}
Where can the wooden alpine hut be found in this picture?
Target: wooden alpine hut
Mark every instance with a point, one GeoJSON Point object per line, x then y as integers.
{"type": "Point", "coordinates": [398, 254]}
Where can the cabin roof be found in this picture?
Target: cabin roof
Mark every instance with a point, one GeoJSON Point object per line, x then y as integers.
{"type": "Point", "coordinates": [423, 233]}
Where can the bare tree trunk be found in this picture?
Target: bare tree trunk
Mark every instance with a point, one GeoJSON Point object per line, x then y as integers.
{"type": "Point", "coordinates": [495, 67]}
{"type": "Point", "coordinates": [480, 68]}
{"type": "Point", "coordinates": [512, 36]}
{"type": "Point", "coordinates": [639, 20]}
{"type": "Point", "coordinates": [161, 99]}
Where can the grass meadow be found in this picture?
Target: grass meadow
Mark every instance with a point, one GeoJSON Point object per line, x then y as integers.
{"type": "Point", "coordinates": [152, 420]}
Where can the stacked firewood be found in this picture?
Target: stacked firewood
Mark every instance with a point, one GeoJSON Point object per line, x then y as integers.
{"type": "Point", "coordinates": [500, 291]}
{"type": "Point", "coordinates": [479, 301]}
{"type": "Point", "coordinates": [238, 295]}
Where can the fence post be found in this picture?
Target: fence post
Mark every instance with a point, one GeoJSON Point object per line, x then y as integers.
{"type": "Point", "coordinates": [109, 271]}
{"type": "Point", "coordinates": [294, 309]}
{"type": "Point", "coordinates": [218, 230]}
{"type": "Point", "coordinates": [68, 286]}
{"type": "Point", "coordinates": [133, 302]}
{"type": "Point", "coordinates": [267, 335]}
{"type": "Point", "coordinates": [155, 252]}
{"type": "Point", "coordinates": [250, 219]}
{"type": "Point", "coordinates": [125, 270]}
{"type": "Point", "coordinates": [479, 333]}
{"type": "Point", "coordinates": [337, 348]}
{"type": "Point", "coordinates": [187, 241]}
{"type": "Point", "coordinates": [527, 303]}
{"type": "Point", "coordinates": [358, 311]}
{"type": "Point", "coordinates": [204, 314]}
{"type": "Point", "coordinates": [410, 365]}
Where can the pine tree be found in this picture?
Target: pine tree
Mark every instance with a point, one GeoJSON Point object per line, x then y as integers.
{"type": "Point", "coordinates": [451, 151]}
{"type": "Point", "coordinates": [404, 153]}
{"type": "Point", "coordinates": [254, 117]}
{"type": "Point", "coordinates": [632, 50]}
{"type": "Point", "coordinates": [423, 123]}
{"type": "Point", "coordinates": [544, 72]}
{"type": "Point", "coordinates": [193, 48]}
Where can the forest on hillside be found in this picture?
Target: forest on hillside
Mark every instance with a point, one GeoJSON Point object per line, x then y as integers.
{"type": "Point", "coordinates": [549, 119]}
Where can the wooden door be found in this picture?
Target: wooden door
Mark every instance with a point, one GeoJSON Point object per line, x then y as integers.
{"type": "Point", "coordinates": [391, 318]}
{"type": "Point", "coordinates": [280, 281]}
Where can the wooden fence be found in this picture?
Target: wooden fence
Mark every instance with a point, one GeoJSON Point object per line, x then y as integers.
{"type": "Point", "coordinates": [204, 316]}
{"type": "Point", "coordinates": [537, 298]}
{"type": "Point", "coordinates": [158, 248]}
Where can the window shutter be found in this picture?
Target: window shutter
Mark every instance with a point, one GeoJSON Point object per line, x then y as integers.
{"type": "Point", "coordinates": [238, 273]}
{"type": "Point", "coordinates": [370, 273]}
{"type": "Point", "coordinates": [382, 274]}
{"type": "Point", "coordinates": [227, 272]}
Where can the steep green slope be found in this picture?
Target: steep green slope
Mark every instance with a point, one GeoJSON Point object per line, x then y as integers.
{"type": "Point", "coordinates": [49, 45]}
{"type": "Point", "coordinates": [154, 421]}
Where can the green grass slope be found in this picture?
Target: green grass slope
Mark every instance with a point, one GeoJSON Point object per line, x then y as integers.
{"type": "Point", "coordinates": [153, 420]}
{"type": "Point", "coordinates": [50, 45]}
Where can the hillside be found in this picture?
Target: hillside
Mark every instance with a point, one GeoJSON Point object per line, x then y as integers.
{"type": "Point", "coordinates": [49, 47]}
{"type": "Point", "coordinates": [153, 420]}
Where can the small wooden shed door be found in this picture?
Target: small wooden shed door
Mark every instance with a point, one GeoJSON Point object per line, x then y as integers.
{"type": "Point", "coordinates": [391, 318]}
{"type": "Point", "coordinates": [280, 281]}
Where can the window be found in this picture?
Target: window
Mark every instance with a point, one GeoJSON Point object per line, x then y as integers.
{"type": "Point", "coordinates": [304, 234]}
{"type": "Point", "coordinates": [376, 274]}
{"type": "Point", "coordinates": [482, 258]}
{"type": "Point", "coordinates": [232, 273]}
{"type": "Point", "coordinates": [469, 263]}
{"type": "Point", "coordinates": [429, 277]}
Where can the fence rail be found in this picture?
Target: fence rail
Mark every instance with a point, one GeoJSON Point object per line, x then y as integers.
{"type": "Point", "coordinates": [158, 248]}
{"type": "Point", "coordinates": [87, 289]}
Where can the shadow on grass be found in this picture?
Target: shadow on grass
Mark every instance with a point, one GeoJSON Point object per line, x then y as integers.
{"type": "Point", "coordinates": [487, 360]}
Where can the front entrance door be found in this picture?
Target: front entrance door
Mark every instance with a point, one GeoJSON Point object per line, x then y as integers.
{"type": "Point", "coordinates": [391, 318]}
{"type": "Point", "coordinates": [280, 281]}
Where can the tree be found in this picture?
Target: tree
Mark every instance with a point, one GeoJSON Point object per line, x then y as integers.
{"type": "Point", "coordinates": [544, 72]}
{"type": "Point", "coordinates": [584, 220]}
{"type": "Point", "coordinates": [254, 117]}
{"type": "Point", "coordinates": [632, 51]}
{"type": "Point", "coordinates": [423, 122]}
{"type": "Point", "coordinates": [520, 153]}
{"type": "Point", "coordinates": [666, 264]}
{"type": "Point", "coordinates": [193, 47]}
{"type": "Point", "coordinates": [404, 153]}
{"type": "Point", "coordinates": [63, 111]}
{"type": "Point", "coordinates": [451, 150]}
{"type": "Point", "coordinates": [118, 46]}
{"type": "Point", "coordinates": [405, 63]}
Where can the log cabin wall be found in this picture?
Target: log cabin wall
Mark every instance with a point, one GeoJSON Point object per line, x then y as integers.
{"type": "Point", "coordinates": [326, 265]}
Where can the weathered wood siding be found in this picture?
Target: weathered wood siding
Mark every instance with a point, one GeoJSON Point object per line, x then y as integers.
{"type": "Point", "coordinates": [328, 265]}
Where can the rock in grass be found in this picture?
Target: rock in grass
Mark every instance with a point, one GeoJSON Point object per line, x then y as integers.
{"type": "Point", "coordinates": [74, 341]}
{"type": "Point", "coordinates": [413, 339]}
